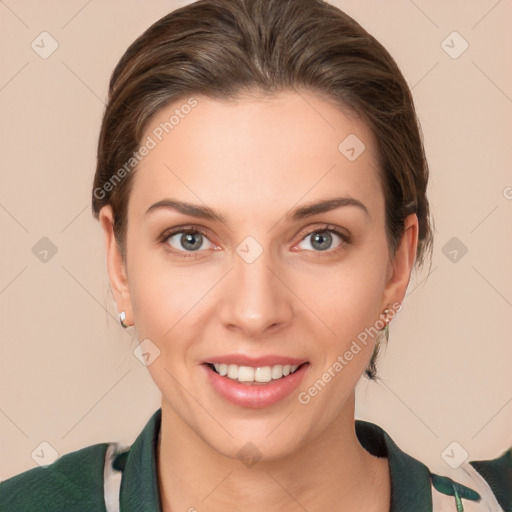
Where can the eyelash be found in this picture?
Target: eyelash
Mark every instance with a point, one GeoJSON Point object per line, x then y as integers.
{"type": "Point", "coordinates": [326, 228]}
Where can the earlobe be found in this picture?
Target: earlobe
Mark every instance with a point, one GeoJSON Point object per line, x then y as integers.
{"type": "Point", "coordinates": [115, 265]}
{"type": "Point", "coordinates": [403, 262]}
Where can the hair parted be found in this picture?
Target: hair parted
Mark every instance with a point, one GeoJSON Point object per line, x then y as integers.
{"type": "Point", "coordinates": [226, 48]}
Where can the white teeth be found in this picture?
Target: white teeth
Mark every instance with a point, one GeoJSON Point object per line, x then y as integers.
{"type": "Point", "coordinates": [263, 374]}
{"type": "Point", "coordinates": [232, 371]}
{"type": "Point", "coordinates": [277, 371]}
{"type": "Point", "coordinates": [250, 374]}
{"type": "Point", "coordinates": [245, 374]}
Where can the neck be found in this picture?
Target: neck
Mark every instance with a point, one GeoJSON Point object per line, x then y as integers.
{"type": "Point", "coordinates": [333, 472]}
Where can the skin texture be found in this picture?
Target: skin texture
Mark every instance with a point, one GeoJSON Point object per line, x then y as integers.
{"type": "Point", "coordinates": [253, 160]}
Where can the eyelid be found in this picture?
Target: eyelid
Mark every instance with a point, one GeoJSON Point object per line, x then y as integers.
{"type": "Point", "coordinates": [342, 233]}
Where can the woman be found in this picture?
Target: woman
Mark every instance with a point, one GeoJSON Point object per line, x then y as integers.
{"type": "Point", "coordinates": [261, 186]}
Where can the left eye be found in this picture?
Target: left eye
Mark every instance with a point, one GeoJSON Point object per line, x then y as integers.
{"type": "Point", "coordinates": [321, 239]}
{"type": "Point", "coordinates": [190, 240]}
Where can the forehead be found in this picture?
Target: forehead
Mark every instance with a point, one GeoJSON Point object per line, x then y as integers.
{"type": "Point", "coordinates": [256, 153]}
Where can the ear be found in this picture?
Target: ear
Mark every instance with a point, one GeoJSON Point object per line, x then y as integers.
{"type": "Point", "coordinates": [115, 265]}
{"type": "Point", "coordinates": [402, 263]}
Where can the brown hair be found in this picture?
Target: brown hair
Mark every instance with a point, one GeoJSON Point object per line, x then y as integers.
{"type": "Point", "coordinates": [224, 48]}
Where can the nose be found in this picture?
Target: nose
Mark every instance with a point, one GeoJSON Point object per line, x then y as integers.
{"type": "Point", "coordinates": [255, 299]}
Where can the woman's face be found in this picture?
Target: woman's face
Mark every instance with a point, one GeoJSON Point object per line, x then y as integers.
{"type": "Point", "coordinates": [264, 285]}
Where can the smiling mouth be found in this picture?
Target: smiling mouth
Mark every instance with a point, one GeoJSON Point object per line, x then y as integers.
{"type": "Point", "coordinates": [251, 375]}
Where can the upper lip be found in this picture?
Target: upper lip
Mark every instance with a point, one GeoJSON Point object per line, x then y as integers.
{"type": "Point", "coordinates": [255, 362]}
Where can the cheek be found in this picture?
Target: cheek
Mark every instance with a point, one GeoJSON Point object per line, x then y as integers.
{"type": "Point", "coordinates": [163, 304]}
{"type": "Point", "coordinates": [350, 307]}
{"type": "Point", "coordinates": [162, 291]}
{"type": "Point", "coordinates": [347, 298]}
{"type": "Point", "coordinates": [356, 300]}
{"type": "Point", "coordinates": [163, 300]}
{"type": "Point", "coordinates": [160, 294]}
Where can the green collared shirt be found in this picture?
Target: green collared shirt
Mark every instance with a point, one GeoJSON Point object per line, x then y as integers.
{"type": "Point", "coordinates": [104, 478]}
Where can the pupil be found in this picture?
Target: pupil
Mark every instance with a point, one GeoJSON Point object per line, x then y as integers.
{"type": "Point", "coordinates": [189, 237]}
{"type": "Point", "coordinates": [325, 237]}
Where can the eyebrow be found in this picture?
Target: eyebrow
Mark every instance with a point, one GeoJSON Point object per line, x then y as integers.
{"type": "Point", "coordinates": [326, 205]}
{"type": "Point", "coordinates": [308, 210]}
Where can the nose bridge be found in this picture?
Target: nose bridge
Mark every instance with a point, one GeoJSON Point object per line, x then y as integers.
{"type": "Point", "coordinates": [257, 299]}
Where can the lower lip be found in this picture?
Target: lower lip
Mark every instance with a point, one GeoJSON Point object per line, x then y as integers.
{"type": "Point", "coordinates": [255, 395]}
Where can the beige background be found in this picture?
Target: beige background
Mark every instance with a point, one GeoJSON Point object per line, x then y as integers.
{"type": "Point", "coordinates": [68, 374]}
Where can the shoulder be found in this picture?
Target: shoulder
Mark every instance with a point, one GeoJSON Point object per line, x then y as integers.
{"type": "Point", "coordinates": [74, 482]}
{"type": "Point", "coordinates": [475, 486]}
{"type": "Point", "coordinates": [484, 485]}
{"type": "Point", "coordinates": [498, 475]}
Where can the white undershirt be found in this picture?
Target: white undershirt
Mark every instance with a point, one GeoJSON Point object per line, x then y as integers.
{"type": "Point", "coordinates": [111, 480]}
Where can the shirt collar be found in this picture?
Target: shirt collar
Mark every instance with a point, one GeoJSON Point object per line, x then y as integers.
{"type": "Point", "coordinates": [139, 485]}
{"type": "Point", "coordinates": [410, 479]}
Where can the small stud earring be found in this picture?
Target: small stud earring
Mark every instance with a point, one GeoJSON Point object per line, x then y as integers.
{"type": "Point", "coordinates": [122, 318]}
